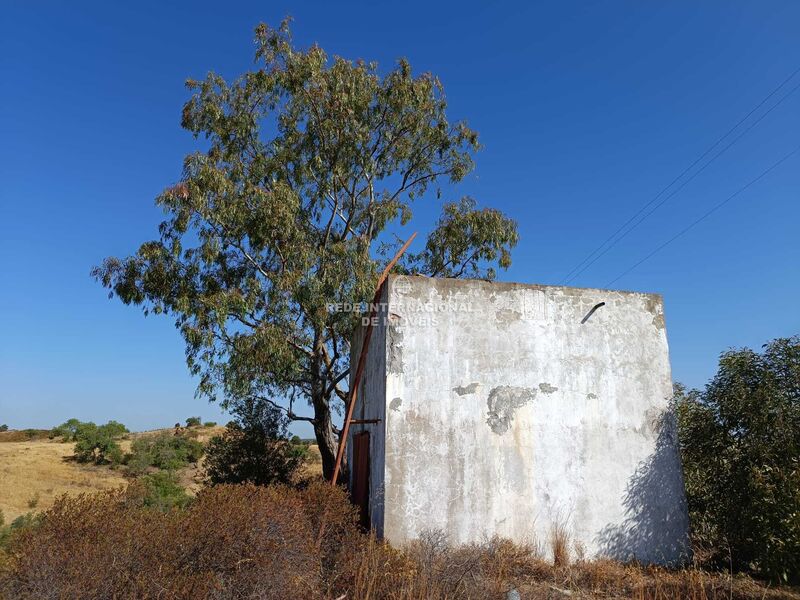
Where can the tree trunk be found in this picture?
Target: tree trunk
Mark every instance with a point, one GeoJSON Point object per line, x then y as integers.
{"type": "Point", "coordinates": [327, 441]}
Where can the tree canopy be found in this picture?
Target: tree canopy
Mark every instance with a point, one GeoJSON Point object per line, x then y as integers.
{"type": "Point", "coordinates": [311, 166]}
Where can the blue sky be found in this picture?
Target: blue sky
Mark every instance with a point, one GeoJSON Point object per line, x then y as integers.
{"type": "Point", "coordinates": [585, 110]}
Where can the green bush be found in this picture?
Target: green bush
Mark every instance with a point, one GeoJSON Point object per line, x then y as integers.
{"type": "Point", "coordinates": [193, 422]}
{"type": "Point", "coordinates": [163, 491]}
{"type": "Point", "coordinates": [115, 429]}
{"type": "Point", "coordinates": [3, 427]}
{"type": "Point", "coordinates": [98, 444]}
{"type": "Point", "coordinates": [254, 449]}
{"type": "Point", "coordinates": [163, 451]}
{"type": "Point", "coordinates": [66, 431]}
{"type": "Point", "coordinates": [210, 424]}
{"type": "Point", "coordinates": [740, 443]}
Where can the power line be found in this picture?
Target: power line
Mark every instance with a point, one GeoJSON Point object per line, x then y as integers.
{"type": "Point", "coordinates": [577, 270]}
{"type": "Point", "coordinates": [686, 182]}
{"type": "Point", "coordinates": [705, 216]}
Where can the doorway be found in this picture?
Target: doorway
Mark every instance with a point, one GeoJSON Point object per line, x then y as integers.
{"type": "Point", "coordinates": [359, 493]}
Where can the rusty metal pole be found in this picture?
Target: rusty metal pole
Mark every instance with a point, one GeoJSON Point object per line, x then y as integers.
{"type": "Point", "coordinates": [362, 360]}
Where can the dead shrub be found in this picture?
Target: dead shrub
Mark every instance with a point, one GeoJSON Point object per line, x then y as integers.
{"type": "Point", "coordinates": [244, 541]}
{"type": "Point", "coordinates": [559, 544]}
{"type": "Point", "coordinates": [240, 541]}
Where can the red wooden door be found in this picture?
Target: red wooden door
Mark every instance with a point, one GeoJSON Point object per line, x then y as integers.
{"type": "Point", "coordinates": [360, 490]}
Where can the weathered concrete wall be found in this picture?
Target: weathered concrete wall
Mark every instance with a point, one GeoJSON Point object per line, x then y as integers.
{"type": "Point", "coordinates": [506, 411]}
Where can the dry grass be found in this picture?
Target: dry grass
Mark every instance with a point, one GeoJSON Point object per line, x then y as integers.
{"type": "Point", "coordinates": [559, 544]}
{"type": "Point", "coordinates": [42, 469]}
{"type": "Point", "coordinates": [312, 468]}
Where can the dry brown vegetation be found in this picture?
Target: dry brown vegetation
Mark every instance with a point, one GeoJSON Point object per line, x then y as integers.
{"type": "Point", "coordinates": [97, 539]}
{"type": "Point", "coordinates": [279, 542]}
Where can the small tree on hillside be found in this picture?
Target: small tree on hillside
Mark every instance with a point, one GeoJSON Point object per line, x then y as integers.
{"type": "Point", "coordinates": [312, 165]}
{"type": "Point", "coordinates": [66, 431]}
{"type": "Point", "coordinates": [98, 444]}
{"type": "Point", "coordinates": [740, 445]}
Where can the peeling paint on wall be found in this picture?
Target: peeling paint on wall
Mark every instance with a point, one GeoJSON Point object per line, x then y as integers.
{"type": "Point", "coordinates": [506, 316]}
{"type": "Point", "coordinates": [468, 389]}
{"type": "Point", "coordinates": [395, 349]}
{"type": "Point", "coordinates": [395, 403]}
{"type": "Point", "coordinates": [658, 321]}
{"type": "Point", "coordinates": [546, 388]}
{"type": "Point", "coordinates": [655, 308]}
{"type": "Point", "coordinates": [503, 401]}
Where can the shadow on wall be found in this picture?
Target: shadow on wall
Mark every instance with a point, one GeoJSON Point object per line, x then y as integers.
{"type": "Point", "coordinates": [655, 529]}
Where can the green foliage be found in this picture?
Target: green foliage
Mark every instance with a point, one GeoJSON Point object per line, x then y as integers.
{"type": "Point", "coordinates": [210, 424]}
{"type": "Point", "coordinates": [740, 445]}
{"type": "Point", "coordinates": [98, 444]}
{"type": "Point", "coordinates": [3, 427]}
{"type": "Point", "coordinates": [254, 449]}
{"type": "Point", "coordinates": [115, 430]}
{"type": "Point", "coordinates": [193, 422]}
{"type": "Point", "coordinates": [464, 239]}
{"type": "Point", "coordinates": [66, 431]}
{"type": "Point", "coordinates": [310, 165]}
{"type": "Point", "coordinates": [22, 522]}
{"type": "Point", "coordinates": [73, 430]}
{"type": "Point", "coordinates": [163, 451]}
{"type": "Point", "coordinates": [163, 491]}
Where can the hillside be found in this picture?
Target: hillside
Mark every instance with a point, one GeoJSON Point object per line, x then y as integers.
{"type": "Point", "coordinates": [35, 471]}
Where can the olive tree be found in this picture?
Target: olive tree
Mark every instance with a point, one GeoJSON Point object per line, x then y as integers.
{"type": "Point", "coordinates": [310, 165]}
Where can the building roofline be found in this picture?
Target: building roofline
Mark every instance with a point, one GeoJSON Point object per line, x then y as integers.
{"type": "Point", "coordinates": [514, 284]}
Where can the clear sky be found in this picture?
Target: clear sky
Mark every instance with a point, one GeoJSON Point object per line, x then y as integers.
{"type": "Point", "coordinates": [586, 111]}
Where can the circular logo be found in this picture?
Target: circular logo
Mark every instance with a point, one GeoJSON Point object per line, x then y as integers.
{"type": "Point", "coordinates": [401, 285]}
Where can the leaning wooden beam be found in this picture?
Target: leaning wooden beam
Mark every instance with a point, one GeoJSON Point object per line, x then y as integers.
{"type": "Point", "coordinates": [362, 360]}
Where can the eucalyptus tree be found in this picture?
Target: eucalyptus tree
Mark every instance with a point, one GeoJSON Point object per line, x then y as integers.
{"type": "Point", "coordinates": [310, 165]}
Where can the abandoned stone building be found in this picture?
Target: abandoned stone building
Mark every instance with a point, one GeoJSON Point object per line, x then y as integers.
{"type": "Point", "coordinates": [509, 409]}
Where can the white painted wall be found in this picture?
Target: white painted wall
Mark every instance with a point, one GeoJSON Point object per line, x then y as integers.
{"type": "Point", "coordinates": [504, 414]}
